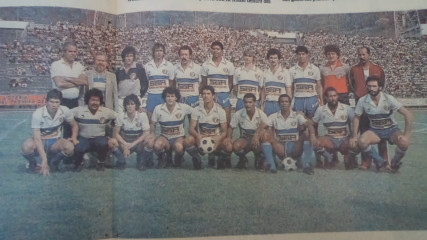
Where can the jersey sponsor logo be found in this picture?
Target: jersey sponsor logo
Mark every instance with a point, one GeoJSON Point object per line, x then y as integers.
{"type": "Point", "coordinates": [208, 131]}
{"type": "Point", "coordinates": [247, 89]}
{"type": "Point", "coordinates": [288, 137]}
{"type": "Point", "coordinates": [217, 82]}
{"type": "Point", "coordinates": [170, 130]}
{"type": "Point", "coordinates": [273, 90]}
{"type": "Point", "coordinates": [337, 132]}
{"type": "Point", "coordinates": [164, 71]}
{"type": "Point", "coordinates": [185, 87]}
{"type": "Point", "coordinates": [304, 88]}
{"type": "Point", "coordinates": [133, 76]}
{"type": "Point", "coordinates": [157, 83]}
{"type": "Point", "coordinates": [382, 123]}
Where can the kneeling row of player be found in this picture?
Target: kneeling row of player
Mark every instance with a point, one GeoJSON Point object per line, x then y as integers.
{"type": "Point", "coordinates": [285, 133]}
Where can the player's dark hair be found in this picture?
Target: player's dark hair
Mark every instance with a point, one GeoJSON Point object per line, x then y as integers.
{"type": "Point", "coordinates": [249, 95]}
{"type": "Point", "coordinates": [286, 96]}
{"type": "Point", "coordinates": [67, 44]}
{"type": "Point", "coordinates": [332, 48]}
{"type": "Point", "coordinates": [273, 51]}
{"type": "Point", "coordinates": [185, 48]}
{"type": "Point", "coordinates": [329, 89]}
{"type": "Point", "coordinates": [301, 49]}
{"type": "Point", "coordinates": [94, 92]}
{"type": "Point", "coordinates": [208, 87]}
{"type": "Point", "coordinates": [377, 79]}
{"type": "Point", "coordinates": [128, 50]}
{"type": "Point", "coordinates": [132, 98]}
{"type": "Point", "coordinates": [217, 43]}
{"type": "Point", "coordinates": [171, 90]}
{"type": "Point", "coordinates": [54, 94]}
{"type": "Point", "coordinates": [157, 46]}
{"type": "Point", "coordinates": [368, 50]}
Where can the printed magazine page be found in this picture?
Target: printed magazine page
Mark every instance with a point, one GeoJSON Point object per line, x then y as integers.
{"type": "Point", "coordinates": [213, 119]}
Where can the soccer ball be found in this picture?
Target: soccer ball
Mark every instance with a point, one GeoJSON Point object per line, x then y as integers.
{"type": "Point", "coordinates": [289, 164]}
{"type": "Point", "coordinates": [207, 145]}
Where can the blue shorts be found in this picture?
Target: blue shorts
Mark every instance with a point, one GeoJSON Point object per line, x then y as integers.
{"type": "Point", "coordinates": [223, 99]}
{"type": "Point", "coordinates": [153, 100]}
{"type": "Point", "coordinates": [385, 134]}
{"type": "Point", "coordinates": [289, 149]}
{"type": "Point", "coordinates": [240, 104]}
{"type": "Point", "coordinates": [271, 107]}
{"type": "Point", "coordinates": [192, 101]}
{"type": "Point", "coordinates": [337, 141]}
{"type": "Point", "coordinates": [47, 144]}
{"type": "Point", "coordinates": [307, 105]}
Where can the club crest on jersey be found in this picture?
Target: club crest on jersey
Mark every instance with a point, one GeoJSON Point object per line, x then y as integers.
{"type": "Point", "coordinates": [61, 119]}
{"type": "Point", "coordinates": [102, 120]}
{"type": "Point", "coordinates": [387, 108]}
{"type": "Point", "coordinates": [138, 124]}
{"type": "Point", "coordinates": [178, 115]}
{"type": "Point", "coordinates": [310, 73]}
{"type": "Point", "coordinates": [343, 117]}
{"type": "Point", "coordinates": [164, 71]}
{"type": "Point", "coordinates": [293, 123]}
{"type": "Point", "coordinates": [192, 74]}
{"type": "Point", "coordinates": [280, 77]}
{"type": "Point", "coordinates": [257, 76]}
{"type": "Point", "coordinates": [225, 70]}
{"type": "Point", "coordinates": [215, 120]}
{"type": "Point", "coordinates": [133, 76]}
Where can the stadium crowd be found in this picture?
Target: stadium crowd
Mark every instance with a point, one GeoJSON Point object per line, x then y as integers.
{"type": "Point", "coordinates": [403, 60]}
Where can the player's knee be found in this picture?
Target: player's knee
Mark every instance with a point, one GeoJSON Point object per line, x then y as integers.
{"type": "Point", "coordinates": [178, 147]}
{"type": "Point", "coordinates": [27, 146]}
{"type": "Point", "coordinates": [189, 141]}
{"type": "Point", "coordinates": [158, 145]}
{"type": "Point", "coordinates": [68, 147]}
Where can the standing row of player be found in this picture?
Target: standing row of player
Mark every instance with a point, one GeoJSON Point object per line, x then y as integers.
{"type": "Point", "coordinates": [304, 83]}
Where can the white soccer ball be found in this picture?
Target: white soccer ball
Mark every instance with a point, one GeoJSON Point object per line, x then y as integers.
{"type": "Point", "coordinates": [207, 145]}
{"type": "Point", "coordinates": [289, 164]}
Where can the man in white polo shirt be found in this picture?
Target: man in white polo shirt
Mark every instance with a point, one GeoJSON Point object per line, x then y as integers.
{"type": "Point", "coordinates": [68, 76]}
{"type": "Point", "coordinates": [92, 120]}
{"type": "Point", "coordinates": [247, 79]}
{"type": "Point", "coordinates": [207, 120]}
{"type": "Point", "coordinates": [160, 75]}
{"type": "Point", "coordinates": [46, 141]}
{"type": "Point", "coordinates": [187, 77]}
{"type": "Point", "coordinates": [336, 117]}
{"type": "Point", "coordinates": [170, 115]}
{"type": "Point", "coordinates": [218, 73]}
{"type": "Point", "coordinates": [251, 121]}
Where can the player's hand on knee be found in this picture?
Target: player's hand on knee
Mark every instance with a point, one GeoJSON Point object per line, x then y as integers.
{"type": "Point", "coordinates": [403, 140]}
{"type": "Point", "coordinates": [74, 141]}
{"type": "Point", "coordinates": [353, 143]}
